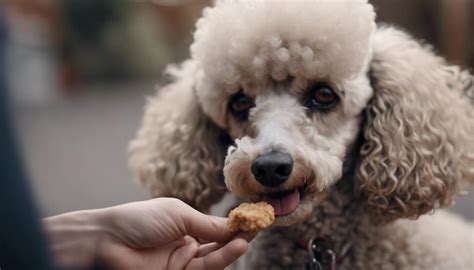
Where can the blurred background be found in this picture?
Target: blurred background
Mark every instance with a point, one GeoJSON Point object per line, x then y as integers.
{"type": "Point", "coordinates": [79, 72]}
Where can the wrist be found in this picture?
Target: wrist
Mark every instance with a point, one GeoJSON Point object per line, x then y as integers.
{"type": "Point", "coordinates": [74, 237]}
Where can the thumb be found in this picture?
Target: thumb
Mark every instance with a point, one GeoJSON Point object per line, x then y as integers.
{"type": "Point", "coordinates": [210, 228]}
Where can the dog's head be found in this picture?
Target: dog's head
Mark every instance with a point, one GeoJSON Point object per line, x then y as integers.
{"type": "Point", "coordinates": [293, 85]}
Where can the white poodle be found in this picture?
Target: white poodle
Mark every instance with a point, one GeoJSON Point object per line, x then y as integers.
{"type": "Point", "coordinates": [350, 131]}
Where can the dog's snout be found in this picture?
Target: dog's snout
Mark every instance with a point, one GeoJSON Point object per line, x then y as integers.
{"type": "Point", "coordinates": [273, 168]}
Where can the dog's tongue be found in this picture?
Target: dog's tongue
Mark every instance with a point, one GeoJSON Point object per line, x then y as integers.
{"type": "Point", "coordinates": [285, 205]}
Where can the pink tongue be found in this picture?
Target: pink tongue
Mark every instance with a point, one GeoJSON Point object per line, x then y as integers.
{"type": "Point", "coordinates": [285, 205]}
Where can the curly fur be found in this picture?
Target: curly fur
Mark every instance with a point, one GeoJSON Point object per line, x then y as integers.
{"type": "Point", "coordinates": [179, 152]}
{"type": "Point", "coordinates": [416, 154]}
{"type": "Point", "coordinates": [399, 144]}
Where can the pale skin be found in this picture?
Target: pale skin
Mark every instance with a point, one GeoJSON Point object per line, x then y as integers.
{"type": "Point", "coordinates": [162, 233]}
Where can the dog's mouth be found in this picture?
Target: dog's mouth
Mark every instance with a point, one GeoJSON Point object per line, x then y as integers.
{"type": "Point", "coordinates": [285, 202]}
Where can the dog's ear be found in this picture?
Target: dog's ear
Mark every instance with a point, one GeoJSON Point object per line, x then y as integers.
{"type": "Point", "coordinates": [418, 138]}
{"type": "Point", "coordinates": [179, 151]}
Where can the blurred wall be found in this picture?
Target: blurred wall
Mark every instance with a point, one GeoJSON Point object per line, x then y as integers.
{"type": "Point", "coordinates": [446, 24]}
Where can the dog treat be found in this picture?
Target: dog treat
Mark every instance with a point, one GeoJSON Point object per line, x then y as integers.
{"type": "Point", "coordinates": [251, 217]}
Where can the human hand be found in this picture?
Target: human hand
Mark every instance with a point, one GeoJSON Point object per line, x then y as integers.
{"type": "Point", "coordinates": [163, 233]}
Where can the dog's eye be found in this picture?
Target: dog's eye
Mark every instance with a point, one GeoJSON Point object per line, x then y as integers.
{"type": "Point", "coordinates": [321, 97]}
{"type": "Point", "coordinates": [240, 104]}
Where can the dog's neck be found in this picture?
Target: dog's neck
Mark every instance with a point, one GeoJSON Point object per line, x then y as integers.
{"type": "Point", "coordinates": [339, 220]}
{"type": "Point", "coordinates": [339, 217]}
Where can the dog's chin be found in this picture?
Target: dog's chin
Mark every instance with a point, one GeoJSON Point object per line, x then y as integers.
{"type": "Point", "coordinates": [303, 210]}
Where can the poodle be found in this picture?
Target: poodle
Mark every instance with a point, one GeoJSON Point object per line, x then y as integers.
{"type": "Point", "coordinates": [350, 130]}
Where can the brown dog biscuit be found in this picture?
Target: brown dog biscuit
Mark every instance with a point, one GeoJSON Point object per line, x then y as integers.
{"type": "Point", "coordinates": [251, 217]}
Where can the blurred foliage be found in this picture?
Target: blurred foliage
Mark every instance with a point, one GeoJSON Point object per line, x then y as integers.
{"type": "Point", "coordinates": [112, 39]}
{"type": "Point", "coordinates": [117, 39]}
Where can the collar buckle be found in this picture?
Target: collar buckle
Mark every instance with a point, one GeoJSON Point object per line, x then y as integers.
{"type": "Point", "coordinates": [322, 256]}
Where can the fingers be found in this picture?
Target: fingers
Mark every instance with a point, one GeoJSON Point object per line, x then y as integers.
{"type": "Point", "coordinates": [206, 228]}
{"type": "Point", "coordinates": [248, 236]}
{"type": "Point", "coordinates": [210, 228]}
{"type": "Point", "coordinates": [220, 258]}
{"type": "Point", "coordinates": [208, 248]}
{"type": "Point", "coordinates": [191, 222]}
{"type": "Point", "coordinates": [184, 254]}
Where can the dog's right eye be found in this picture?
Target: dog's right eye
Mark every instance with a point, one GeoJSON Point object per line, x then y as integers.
{"type": "Point", "coordinates": [321, 98]}
{"type": "Point", "coordinates": [240, 104]}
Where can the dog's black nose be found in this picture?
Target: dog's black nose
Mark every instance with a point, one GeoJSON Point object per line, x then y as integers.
{"type": "Point", "coordinates": [273, 168]}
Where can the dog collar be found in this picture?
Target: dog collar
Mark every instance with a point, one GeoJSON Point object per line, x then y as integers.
{"type": "Point", "coordinates": [322, 255]}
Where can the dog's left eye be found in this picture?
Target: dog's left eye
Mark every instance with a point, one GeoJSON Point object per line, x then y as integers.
{"type": "Point", "coordinates": [240, 104]}
{"type": "Point", "coordinates": [321, 97]}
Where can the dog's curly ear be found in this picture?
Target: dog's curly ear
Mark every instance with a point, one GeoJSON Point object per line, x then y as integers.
{"type": "Point", "coordinates": [178, 151]}
{"type": "Point", "coordinates": [418, 138]}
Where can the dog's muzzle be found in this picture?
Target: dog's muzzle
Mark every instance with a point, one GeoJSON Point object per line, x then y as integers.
{"type": "Point", "coordinates": [272, 170]}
